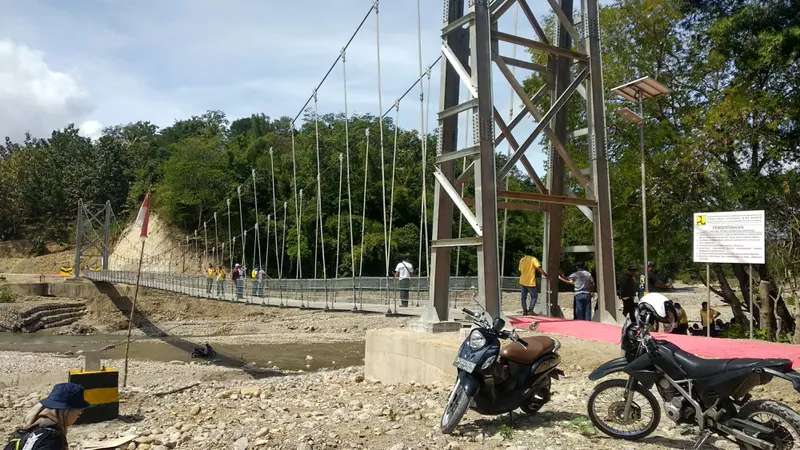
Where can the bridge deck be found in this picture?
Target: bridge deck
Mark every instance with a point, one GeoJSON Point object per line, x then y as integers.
{"type": "Point", "coordinates": [335, 301]}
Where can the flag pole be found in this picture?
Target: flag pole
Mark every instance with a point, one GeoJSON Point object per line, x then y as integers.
{"type": "Point", "coordinates": [130, 321]}
{"type": "Point", "coordinates": [142, 220]}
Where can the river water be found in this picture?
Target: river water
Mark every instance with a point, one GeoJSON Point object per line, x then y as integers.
{"type": "Point", "coordinates": [284, 356]}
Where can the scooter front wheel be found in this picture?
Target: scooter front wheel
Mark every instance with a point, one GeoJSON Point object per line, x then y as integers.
{"type": "Point", "coordinates": [456, 407]}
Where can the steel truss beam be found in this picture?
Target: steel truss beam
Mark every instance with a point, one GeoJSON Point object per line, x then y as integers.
{"type": "Point", "coordinates": [87, 235]}
{"type": "Point", "coordinates": [469, 54]}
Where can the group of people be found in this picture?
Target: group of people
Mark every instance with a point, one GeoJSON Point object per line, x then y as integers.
{"type": "Point", "coordinates": [629, 289]}
{"type": "Point", "coordinates": [581, 280]}
{"type": "Point", "coordinates": [583, 285]}
{"type": "Point", "coordinates": [682, 322]}
{"type": "Point", "coordinates": [238, 275]}
{"type": "Point", "coordinates": [215, 275]}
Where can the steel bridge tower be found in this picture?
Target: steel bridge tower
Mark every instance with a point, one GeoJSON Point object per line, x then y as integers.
{"type": "Point", "coordinates": [92, 234]}
{"type": "Point", "coordinates": [470, 49]}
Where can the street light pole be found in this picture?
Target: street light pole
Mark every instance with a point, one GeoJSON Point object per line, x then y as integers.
{"type": "Point", "coordinates": [637, 91]}
{"type": "Point", "coordinates": [644, 192]}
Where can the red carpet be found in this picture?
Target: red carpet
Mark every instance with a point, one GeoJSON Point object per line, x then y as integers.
{"type": "Point", "coordinates": [701, 346]}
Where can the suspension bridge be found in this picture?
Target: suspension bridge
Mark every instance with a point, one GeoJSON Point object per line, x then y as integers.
{"type": "Point", "coordinates": [470, 57]}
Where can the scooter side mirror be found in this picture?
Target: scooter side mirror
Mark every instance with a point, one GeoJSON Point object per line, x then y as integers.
{"type": "Point", "coordinates": [498, 324]}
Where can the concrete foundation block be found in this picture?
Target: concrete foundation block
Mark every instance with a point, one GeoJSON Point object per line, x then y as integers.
{"type": "Point", "coordinates": [395, 355]}
{"type": "Point", "coordinates": [424, 326]}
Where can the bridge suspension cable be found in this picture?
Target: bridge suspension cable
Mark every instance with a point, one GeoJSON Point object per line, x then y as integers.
{"type": "Point", "coordinates": [380, 126]}
{"type": "Point", "coordinates": [299, 269]}
{"type": "Point", "coordinates": [275, 214]}
{"type": "Point", "coordinates": [423, 138]}
{"type": "Point", "coordinates": [364, 207]}
{"type": "Point", "coordinates": [258, 234]}
{"type": "Point", "coordinates": [349, 184]}
{"type": "Point", "coordinates": [339, 219]}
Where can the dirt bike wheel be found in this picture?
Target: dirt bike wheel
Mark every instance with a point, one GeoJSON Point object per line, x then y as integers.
{"type": "Point", "coordinates": [786, 435]}
{"type": "Point", "coordinates": [614, 409]}
{"type": "Point", "coordinates": [457, 406]}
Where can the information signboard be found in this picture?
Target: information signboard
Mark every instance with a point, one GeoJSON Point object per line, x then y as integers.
{"type": "Point", "coordinates": [729, 237]}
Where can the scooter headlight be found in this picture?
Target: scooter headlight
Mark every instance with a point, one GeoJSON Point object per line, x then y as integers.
{"type": "Point", "coordinates": [476, 340]}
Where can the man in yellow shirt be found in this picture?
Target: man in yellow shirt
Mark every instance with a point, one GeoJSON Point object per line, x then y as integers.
{"type": "Point", "coordinates": [528, 266]}
{"type": "Point", "coordinates": [683, 321]}
{"type": "Point", "coordinates": [704, 311]}
{"type": "Point", "coordinates": [210, 278]}
{"type": "Point", "coordinates": [220, 281]}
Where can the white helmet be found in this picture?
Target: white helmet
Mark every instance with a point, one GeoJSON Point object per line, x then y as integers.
{"type": "Point", "coordinates": [660, 308]}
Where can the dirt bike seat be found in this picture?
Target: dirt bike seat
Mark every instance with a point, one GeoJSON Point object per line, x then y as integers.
{"type": "Point", "coordinates": [697, 367]}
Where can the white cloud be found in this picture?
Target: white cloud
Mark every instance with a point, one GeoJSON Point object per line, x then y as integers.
{"type": "Point", "coordinates": [91, 129]}
{"type": "Point", "coordinates": [33, 97]}
{"type": "Point", "coordinates": [160, 61]}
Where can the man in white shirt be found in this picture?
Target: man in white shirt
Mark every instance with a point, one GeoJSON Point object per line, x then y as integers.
{"type": "Point", "coordinates": [403, 272]}
{"type": "Point", "coordinates": [261, 275]}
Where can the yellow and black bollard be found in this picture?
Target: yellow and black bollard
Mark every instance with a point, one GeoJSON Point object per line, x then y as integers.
{"type": "Point", "coordinates": [101, 390]}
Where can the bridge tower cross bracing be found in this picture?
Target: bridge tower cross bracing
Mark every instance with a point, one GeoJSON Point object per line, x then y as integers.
{"type": "Point", "coordinates": [470, 49]}
{"type": "Point", "coordinates": [88, 233]}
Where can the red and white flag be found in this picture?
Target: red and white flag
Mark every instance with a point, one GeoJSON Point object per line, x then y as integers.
{"type": "Point", "coordinates": [144, 216]}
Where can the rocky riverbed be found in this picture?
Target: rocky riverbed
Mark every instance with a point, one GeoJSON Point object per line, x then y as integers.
{"type": "Point", "coordinates": [335, 409]}
{"type": "Point", "coordinates": [253, 408]}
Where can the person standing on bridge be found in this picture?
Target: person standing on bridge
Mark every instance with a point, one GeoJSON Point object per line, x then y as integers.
{"type": "Point", "coordinates": [254, 277]}
{"type": "Point", "coordinates": [403, 272]}
{"type": "Point", "coordinates": [220, 281]}
{"type": "Point", "coordinates": [528, 266]}
{"type": "Point", "coordinates": [210, 278]}
{"type": "Point", "coordinates": [237, 275]}
{"type": "Point", "coordinates": [262, 277]}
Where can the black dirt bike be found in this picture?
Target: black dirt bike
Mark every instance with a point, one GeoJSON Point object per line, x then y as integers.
{"type": "Point", "coordinates": [494, 381]}
{"type": "Point", "coordinates": [207, 352]}
{"type": "Point", "coordinates": [713, 394]}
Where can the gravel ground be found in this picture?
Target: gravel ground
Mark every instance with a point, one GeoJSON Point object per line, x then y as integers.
{"type": "Point", "coordinates": [335, 409]}
{"type": "Point", "coordinates": [235, 408]}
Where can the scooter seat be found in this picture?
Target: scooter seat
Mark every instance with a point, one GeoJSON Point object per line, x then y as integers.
{"type": "Point", "coordinates": [537, 346]}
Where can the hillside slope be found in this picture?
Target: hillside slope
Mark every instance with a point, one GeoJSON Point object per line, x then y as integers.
{"type": "Point", "coordinates": [164, 251]}
{"type": "Point", "coordinates": [15, 257]}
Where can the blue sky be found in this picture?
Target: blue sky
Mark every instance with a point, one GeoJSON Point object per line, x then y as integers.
{"type": "Point", "coordinates": [103, 62]}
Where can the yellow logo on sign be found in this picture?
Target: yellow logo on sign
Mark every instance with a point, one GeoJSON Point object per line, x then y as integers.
{"type": "Point", "coordinates": [701, 220]}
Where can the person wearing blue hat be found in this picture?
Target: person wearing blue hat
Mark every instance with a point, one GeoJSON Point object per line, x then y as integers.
{"type": "Point", "coordinates": [654, 283]}
{"type": "Point", "coordinates": [46, 424]}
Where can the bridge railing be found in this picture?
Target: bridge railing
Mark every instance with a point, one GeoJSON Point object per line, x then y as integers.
{"type": "Point", "coordinates": [334, 292]}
